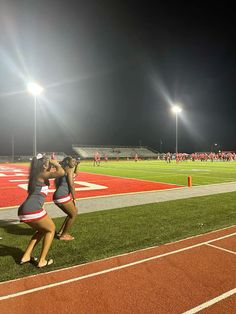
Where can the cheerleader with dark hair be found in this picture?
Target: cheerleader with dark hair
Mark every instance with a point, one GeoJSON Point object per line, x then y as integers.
{"type": "Point", "coordinates": [64, 196]}
{"type": "Point", "coordinates": [32, 212]}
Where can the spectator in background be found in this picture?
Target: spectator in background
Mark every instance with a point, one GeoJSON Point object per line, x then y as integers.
{"type": "Point", "coordinates": [76, 170]}
{"type": "Point", "coordinates": [97, 159]}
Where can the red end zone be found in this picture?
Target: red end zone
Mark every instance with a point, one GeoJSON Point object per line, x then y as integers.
{"type": "Point", "coordinates": [13, 185]}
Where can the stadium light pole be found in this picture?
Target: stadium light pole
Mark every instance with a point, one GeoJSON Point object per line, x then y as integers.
{"type": "Point", "coordinates": [176, 110]}
{"type": "Point", "coordinates": [35, 90]}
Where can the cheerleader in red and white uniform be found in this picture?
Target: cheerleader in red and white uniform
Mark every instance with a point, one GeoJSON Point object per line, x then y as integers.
{"type": "Point", "coordinates": [64, 197]}
{"type": "Point", "coordinates": [32, 212]}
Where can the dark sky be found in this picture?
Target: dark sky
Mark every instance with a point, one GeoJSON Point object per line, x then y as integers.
{"type": "Point", "coordinates": [113, 69]}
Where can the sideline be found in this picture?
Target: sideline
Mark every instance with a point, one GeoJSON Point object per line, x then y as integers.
{"type": "Point", "coordinates": [87, 205]}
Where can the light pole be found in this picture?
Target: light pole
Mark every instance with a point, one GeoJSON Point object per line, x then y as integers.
{"type": "Point", "coordinates": [35, 90]}
{"type": "Point", "coordinates": [12, 148]}
{"type": "Point", "coordinates": [176, 110]}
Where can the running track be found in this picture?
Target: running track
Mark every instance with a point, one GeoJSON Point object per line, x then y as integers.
{"type": "Point", "coordinates": [189, 276]}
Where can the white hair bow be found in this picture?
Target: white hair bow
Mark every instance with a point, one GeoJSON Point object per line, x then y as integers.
{"type": "Point", "coordinates": [39, 156]}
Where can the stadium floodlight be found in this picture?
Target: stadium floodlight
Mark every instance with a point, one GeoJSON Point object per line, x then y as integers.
{"type": "Point", "coordinates": [176, 110]}
{"type": "Point", "coordinates": [35, 90]}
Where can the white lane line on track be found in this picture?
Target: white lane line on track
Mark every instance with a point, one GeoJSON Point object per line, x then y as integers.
{"type": "Point", "coordinates": [221, 248]}
{"type": "Point", "coordinates": [211, 302]}
{"type": "Point", "coordinates": [21, 293]}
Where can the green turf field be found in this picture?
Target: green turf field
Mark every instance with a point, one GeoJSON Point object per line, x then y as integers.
{"type": "Point", "coordinates": [177, 173]}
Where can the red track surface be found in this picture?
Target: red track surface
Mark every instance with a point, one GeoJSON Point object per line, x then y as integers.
{"type": "Point", "coordinates": [13, 195]}
{"type": "Point", "coordinates": [172, 278]}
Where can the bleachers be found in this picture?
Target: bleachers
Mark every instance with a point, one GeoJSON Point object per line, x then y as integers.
{"type": "Point", "coordinates": [113, 152]}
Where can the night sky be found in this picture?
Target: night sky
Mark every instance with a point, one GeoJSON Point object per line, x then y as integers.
{"type": "Point", "coordinates": [112, 70]}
